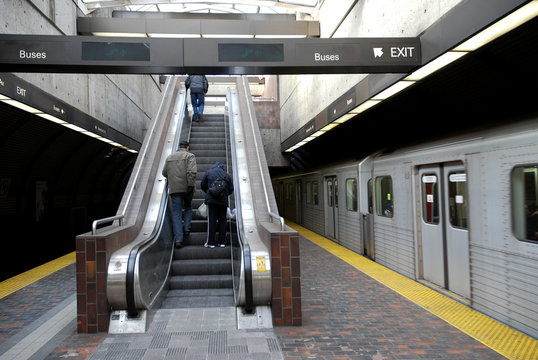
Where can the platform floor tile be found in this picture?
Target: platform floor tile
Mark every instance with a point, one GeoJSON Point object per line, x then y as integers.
{"type": "Point", "coordinates": [200, 333]}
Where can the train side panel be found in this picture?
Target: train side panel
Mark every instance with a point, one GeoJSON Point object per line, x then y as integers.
{"type": "Point", "coordinates": [349, 224]}
{"type": "Point", "coordinates": [313, 207]}
{"type": "Point", "coordinates": [504, 269]}
{"type": "Point", "coordinates": [394, 236]}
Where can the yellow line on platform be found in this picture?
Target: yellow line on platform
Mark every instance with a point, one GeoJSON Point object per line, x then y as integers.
{"type": "Point", "coordinates": [497, 336]}
{"type": "Point", "coordinates": [18, 282]}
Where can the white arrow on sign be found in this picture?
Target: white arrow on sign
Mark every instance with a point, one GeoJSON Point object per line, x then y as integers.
{"type": "Point", "coordinates": [378, 52]}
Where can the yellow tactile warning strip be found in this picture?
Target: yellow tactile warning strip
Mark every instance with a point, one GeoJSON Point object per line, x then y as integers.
{"type": "Point", "coordinates": [499, 337]}
{"type": "Point", "coordinates": [18, 282]}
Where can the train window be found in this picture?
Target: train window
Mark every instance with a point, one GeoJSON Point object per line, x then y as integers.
{"type": "Point", "coordinates": [330, 195]}
{"type": "Point", "coordinates": [315, 193]}
{"type": "Point", "coordinates": [312, 192]}
{"type": "Point", "coordinates": [384, 196]}
{"type": "Point", "coordinates": [430, 199]}
{"type": "Point", "coordinates": [351, 194]}
{"type": "Point", "coordinates": [289, 191]}
{"type": "Point", "coordinates": [335, 192]}
{"type": "Point", "coordinates": [524, 202]}
{"type": "Point", "coordinates": [370, 197]}
{"type": "Point", "coordinates": [457, 204]}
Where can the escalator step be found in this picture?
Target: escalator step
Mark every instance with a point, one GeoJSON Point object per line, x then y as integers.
{"type": "Point", "coordinates": [201, 281]}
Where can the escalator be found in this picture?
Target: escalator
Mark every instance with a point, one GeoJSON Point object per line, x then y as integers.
{"type": "Point", "coordinates": [147, 273]}
{"type": "Point", "coordinates": [202, 277]}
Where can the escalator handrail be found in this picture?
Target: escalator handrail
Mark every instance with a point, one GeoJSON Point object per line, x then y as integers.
{"type": "Point", "coordinates": [133, 255]}
{"type": "Point", "coordinates": [245, 248]}
{"type": "Point", "coordinates": [132, 299]}
{"type": "Point", "coordinates": [244, 84]}
{"type": "Point", "coordinates": [130, 295]}
{"type": "Point", "coordinates": [138, 169]}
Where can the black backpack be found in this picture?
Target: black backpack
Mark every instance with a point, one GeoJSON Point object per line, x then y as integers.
{"type": "Point", "coordinates": [219, 188]}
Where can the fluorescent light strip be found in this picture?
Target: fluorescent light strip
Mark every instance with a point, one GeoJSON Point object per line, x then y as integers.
{"type": "Point", "coordinates": [280, 36]}
{"type": "Point", "coordinates": [89, 133]}
{"type": "Point", "coordinates": [174, 36]}
{"type": "Point", "coordinates": [229, 36]}
{"type": "Point", "coordinates": [435, 65]}
{"type": "Point", "coordinates": [365, 106]}
{"type": "Point", "coordinates": [393, 90]}
{"type": "Point", "coordinates": [329, 126]}
{"type": "Point", "coordinates": [22, 106]}
{"type": "Point", "coordinates": [342, 119]}
{"type": "Point", "coordinates": [112, 34]}
{"type": "Point", "coordinates": [51, 118]}
{"type": "Point", "coordinates": [501, 27]}
{"type": "Point", "coordinates": [74, 127]}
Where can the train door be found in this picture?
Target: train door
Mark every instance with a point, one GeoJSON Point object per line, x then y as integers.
{"type": "Point", "coordinates": [299, 202]}
{"type": "Point", "coordinates": [445, 238]}
{"type": "Point", "coordinates": [331, 207]}
{"type": "Point", "coordinates": [366, 206]}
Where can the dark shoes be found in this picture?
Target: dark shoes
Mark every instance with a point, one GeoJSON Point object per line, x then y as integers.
{"type": "Point", "coordinates": [179, 245]}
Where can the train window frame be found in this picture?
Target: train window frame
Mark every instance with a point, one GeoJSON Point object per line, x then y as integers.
{"type": "Point", "coordinates": [370, 186]}
{"type": "Point", "coordinates": [454, 198]}
{"type": "Point", "coordinates": [312, 192]}
{"type": "Point", "coordinates": [354, 195]}
{"type": "Point", "coordinates": [384, 200]}
{"type": "Point", "coordinates": [308, 189]}
{"type": "Point", "coordinates": [315, 192]}
{"type": "Point", "coordinates": [521, 196]}
{"type": "Point", "coordinates": [431, 199]}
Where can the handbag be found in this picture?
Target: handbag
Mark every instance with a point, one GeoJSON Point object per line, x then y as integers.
{"type": "Point", "coordinates": [202, 210]}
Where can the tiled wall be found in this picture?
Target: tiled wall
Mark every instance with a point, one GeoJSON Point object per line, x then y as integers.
{"type": "Point", "coordinates": [268, 114]}
{"type": "Point", "coordinates": [286, 274]}
{"type": "Point", "coordinates": [93, 253]}
{"type": "Point", "coordinates": [92, 305]}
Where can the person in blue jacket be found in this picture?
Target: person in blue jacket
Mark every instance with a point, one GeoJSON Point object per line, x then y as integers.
{"type": "Point", "coordinates": [199, 86]}
{"type": "Point", "coordinates": [217, 205]}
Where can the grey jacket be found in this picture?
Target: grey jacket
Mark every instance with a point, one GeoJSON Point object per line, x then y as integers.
{"type": "Point", "coordinates": [197, 84]}
{"type": "Point", "coordinates": [180, 170]}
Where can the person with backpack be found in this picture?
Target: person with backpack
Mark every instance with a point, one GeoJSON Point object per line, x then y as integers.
{"type": "Point", "coordinates": [199, 86]}
{"type": "Point", "coordinates": [218, 185]}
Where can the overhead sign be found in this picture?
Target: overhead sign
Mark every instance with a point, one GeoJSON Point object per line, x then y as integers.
{"type": "Point", "coordinates": [22, 91]}
{"type": "Point", "coordinates": [90, 54]}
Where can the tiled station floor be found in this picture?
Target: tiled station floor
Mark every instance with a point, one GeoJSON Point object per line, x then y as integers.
{"type": "Point", "coordinates": [352, 309]}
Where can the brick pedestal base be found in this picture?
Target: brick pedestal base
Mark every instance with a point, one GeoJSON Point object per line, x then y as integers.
{"type": "Point", "coordinates": [286, 274]}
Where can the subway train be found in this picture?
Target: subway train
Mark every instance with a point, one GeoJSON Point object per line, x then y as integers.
{"type": "Point", "coordinates": [458, 215]}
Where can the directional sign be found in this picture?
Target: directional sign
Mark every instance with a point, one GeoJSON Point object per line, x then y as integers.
{"type": "Point", "coordinates": [90, 54]}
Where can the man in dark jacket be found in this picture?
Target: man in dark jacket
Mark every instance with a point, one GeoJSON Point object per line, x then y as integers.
{"type": "Point", "coordinates": [199, 86]}
{"type": "Point", "coordinates": [180, 170]}
{"type": "Point", "coordinates": [216, 205]}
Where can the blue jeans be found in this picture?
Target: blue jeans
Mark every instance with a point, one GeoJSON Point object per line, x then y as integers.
{"type": "Point", "coordinates": [181, 201]}
{"type": "Point", "coordinates": [198, 101]}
